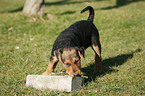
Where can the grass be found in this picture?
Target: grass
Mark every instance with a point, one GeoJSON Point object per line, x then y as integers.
{"type": "Point", "coordinates": [122, 32]}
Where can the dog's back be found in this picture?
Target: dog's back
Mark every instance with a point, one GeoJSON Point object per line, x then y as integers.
{"type": "Point", "coordinates": [78, 34]}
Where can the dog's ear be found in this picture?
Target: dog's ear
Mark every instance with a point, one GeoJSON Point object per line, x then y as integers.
{"type": "Point", "coordinates": [55, 54]}
{"type": "Point", "coordinates": [81, 52]}
{"type": "Point", "coordinates": [58, 54]}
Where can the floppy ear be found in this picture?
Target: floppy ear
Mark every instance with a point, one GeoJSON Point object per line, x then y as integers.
{"type": "Point", "coordinates": [81, 52]}
{"type": "Point", "coordinates": [60, 55]}
{"type": "Point", "coordinates": [82, 57]}
{"type": "Point", "coordinates": [55, 54]}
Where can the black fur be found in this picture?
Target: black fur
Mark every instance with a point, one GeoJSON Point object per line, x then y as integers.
{"type": "Point", "coordinates": [91, 15]}
{"type": "Point", "coordinates": [80, 34]}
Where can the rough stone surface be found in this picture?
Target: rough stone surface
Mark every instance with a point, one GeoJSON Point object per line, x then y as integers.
{"type": "Point", "coordinates": [62, 83]}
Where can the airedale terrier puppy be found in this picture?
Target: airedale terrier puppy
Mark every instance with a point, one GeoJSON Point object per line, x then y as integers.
{"type": "Point", "coordinates": [70, 45]}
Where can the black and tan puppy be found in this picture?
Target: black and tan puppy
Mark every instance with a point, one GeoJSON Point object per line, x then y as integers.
{"type": "Point", "coordinates": [70, 45]}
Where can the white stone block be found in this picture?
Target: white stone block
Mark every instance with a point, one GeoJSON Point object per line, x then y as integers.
{"type": "Point", "coordinates": [62, 83]}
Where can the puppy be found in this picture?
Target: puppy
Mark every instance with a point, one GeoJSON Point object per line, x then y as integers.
{"type": "Point", "coordinates": [70, 45]}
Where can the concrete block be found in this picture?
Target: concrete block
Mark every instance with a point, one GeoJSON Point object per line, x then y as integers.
{"type": "Point", "coordinates": [62, 83]}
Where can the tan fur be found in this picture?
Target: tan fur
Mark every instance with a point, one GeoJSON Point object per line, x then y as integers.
{"type": "Point", "coordinates": [70, 56]}
{"type": "Point", "coordinates": [51, 66]}
{"type": "Point", "coordinates": [98, 59]}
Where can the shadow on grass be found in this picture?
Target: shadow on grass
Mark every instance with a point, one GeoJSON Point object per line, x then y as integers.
{"type": "Point", "coordinates": [62, 2]}
{"type": "Point", "coordinates": [66, 13]}
{"type": "Point", "coordinates": [16, 10]}
{"type": "Point", "coordinates": [120, 3]}
{"type": "Point", "coordinates": [67, 2]}
{"type": "Point", "coordinates": [107, 64]}
{"type": "Point", "coordinates": [12, 11]}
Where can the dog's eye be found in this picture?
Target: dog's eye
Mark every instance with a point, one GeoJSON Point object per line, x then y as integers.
{"type": "Point", "coordinates": [67, 64]}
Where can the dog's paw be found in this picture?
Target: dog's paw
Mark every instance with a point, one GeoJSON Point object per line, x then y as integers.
{"type": "Point", "coordinates": [45, 73]}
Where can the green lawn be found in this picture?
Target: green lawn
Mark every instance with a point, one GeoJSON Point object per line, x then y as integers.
{"type": "Point", "coordinates": [26, 42]}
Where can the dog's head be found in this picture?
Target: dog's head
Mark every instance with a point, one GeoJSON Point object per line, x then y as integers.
{"type": "Point", "coordinates": [71, 58]}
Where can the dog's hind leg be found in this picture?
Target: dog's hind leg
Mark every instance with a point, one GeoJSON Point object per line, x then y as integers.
{"type": "Point", "coordinates": [51, 66]}
{"type": "Point", "coordinates": [96, 46]}
{"type": "Point", "coordinates": [98, 60]}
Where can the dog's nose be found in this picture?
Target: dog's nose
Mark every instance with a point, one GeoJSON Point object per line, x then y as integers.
{"type": "Point", "coordinates": [77, 74]}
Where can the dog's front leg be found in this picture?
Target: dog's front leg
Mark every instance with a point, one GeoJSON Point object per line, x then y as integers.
{"type": "Point", "coordinates": [51, 66]}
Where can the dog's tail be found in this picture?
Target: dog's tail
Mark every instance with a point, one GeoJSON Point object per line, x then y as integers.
{"type": "Point", "coordinates": [91, 15]}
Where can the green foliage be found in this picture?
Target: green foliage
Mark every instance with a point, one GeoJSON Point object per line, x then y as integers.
{"type": "Point", "coordinates": [26, 42]}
